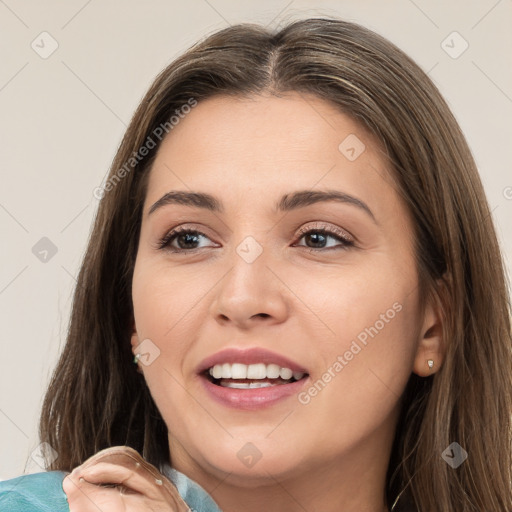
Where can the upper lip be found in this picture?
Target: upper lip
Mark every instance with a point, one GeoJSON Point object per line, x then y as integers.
{"type": "Point", "coordinates": [249, 356]}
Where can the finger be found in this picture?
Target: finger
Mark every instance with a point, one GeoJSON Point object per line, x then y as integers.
{"type": "Point", "coordinates": [85, 497]}
{"type": "Point", "coordinates": [129, 458]}
{"type": "Point", "coordinates": [136, 480]}
{"type": "Point", "coordinates": [122, 456]}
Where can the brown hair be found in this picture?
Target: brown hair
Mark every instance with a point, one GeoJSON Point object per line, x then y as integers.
{"type": "Point", "coordinates": [96, 398]}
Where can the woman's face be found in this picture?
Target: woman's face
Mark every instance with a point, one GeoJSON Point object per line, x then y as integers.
{"type": "Point", "coordinates": [272, 276]}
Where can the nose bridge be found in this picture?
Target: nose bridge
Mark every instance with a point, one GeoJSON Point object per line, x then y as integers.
{"type": "Point", "coordinates": [250, 289]}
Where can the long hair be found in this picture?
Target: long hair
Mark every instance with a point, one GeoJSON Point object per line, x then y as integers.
{"type": "Point", "coordinates": [96, 398]}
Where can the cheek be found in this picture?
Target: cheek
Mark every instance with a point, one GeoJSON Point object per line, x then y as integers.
{"type": "Point", "coordinates": [360, 387]}
{"type": "Point", "coordinates": [164, 300]}
{"type": "Point", "coordinates": [364, 328]}
{"type": "Point", "coordinates": [169, 310]}
{"type": "Point", "coordinates": [345, 303]}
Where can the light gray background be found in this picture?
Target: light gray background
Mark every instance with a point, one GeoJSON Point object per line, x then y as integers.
{"type": "Point", "coordinates": [63, 117]}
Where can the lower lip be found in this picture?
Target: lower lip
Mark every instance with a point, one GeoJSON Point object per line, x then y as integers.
{"type": "Point", "coordinates": [250, 399]}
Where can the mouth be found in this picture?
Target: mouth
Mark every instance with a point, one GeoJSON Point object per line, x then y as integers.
{"type": "Point", "coordinates": [252, 376]}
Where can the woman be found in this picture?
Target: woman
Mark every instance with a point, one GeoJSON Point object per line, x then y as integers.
{"type": "Point", "coordinates": [294, 245]}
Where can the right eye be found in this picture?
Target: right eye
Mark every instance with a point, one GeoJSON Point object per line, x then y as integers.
{"type": "Point", "coordinates": [185, 239]}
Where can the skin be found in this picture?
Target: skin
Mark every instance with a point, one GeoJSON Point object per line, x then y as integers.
{"type": "Point", "coordinates": [332, 453]}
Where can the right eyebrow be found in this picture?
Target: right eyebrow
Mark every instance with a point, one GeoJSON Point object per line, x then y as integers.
{"type": "Point", "coordinates": [194, 199]}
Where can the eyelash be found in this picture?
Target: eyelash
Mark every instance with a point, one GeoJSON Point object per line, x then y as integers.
{"type": "Point", "coordinates": [340, 236]}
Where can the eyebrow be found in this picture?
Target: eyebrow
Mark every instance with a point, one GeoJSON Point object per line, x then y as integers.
{"type": "Point", "coordinates": [288, 202]}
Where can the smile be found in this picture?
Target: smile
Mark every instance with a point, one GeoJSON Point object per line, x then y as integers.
{"type": "Point", "coordinates": [252, 376]}
{"type": "Point", "coordinates": [251, 379]}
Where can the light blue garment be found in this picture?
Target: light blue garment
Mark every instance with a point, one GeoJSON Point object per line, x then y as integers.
{"type": "Point", "coordinates": [191, 492]}
{"type": "Point", "coordinates": [38, 492]}
{"type": "Point", "coordinates": [42, 492]}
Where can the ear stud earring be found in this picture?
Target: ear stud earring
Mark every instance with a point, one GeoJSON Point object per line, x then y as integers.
{"type": "Point", "coordinates": [136, 361]}
{"type": "Point", "coordinates": [430, 363]}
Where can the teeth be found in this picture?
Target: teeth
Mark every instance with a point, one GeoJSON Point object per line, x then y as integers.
{"type": "Point", "coordinates": [257, 371]}
{"type": "Point", "coordinates": [226, 370]}
{"type": "Point", "coordinates": [238, 371]}
{"type": "Point", "coordinates": [246, 385]}
{"type": "Point", "coordinates": [285, 373]}
{"type": "Point", "coordinates": [217, 371]}
{"type": "Point", "coordinates": [273, 371]}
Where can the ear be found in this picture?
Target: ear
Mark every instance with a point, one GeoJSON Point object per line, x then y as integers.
{"type": "Point", "coordinates": [135, 342]}
{"type": "Point", "coordinates": [431, 345]}
{"type": "Point", "coordinates": [134, 338]}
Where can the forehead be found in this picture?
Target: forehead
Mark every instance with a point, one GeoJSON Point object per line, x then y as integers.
{"type": "Point", "coordinates": [295, 124]}
{"type": "Point", "coordinates": [232, 146]}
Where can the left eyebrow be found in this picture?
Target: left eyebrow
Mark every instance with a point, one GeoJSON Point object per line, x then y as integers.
{"type": "Point", "coordinates": [288, 202]}
{"type": "Point", "coordinates": [302, 198]}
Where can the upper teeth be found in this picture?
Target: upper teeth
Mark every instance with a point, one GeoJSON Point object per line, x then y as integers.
{"type": "Point", "coordinates": [253, 371]}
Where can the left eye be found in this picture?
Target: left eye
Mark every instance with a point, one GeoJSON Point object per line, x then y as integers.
{"type": "Point", "coordinates": [320, 236]}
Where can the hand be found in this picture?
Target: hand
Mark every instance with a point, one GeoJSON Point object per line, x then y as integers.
{"type": "Point", "coordinates": [118, 479]}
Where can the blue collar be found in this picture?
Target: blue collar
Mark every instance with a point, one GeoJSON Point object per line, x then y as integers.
{"type": "Point", "coordinates": [191, 492]}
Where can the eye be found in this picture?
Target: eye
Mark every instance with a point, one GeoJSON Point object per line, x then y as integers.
{"type": "Point", "coordinates": [318, 236]}
{"type": "Point", "coordinates": [186, 239]}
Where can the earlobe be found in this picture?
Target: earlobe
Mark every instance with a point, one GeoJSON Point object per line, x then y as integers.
{"type": "Point", "coordinates": [134, 344]}
{"type": "Point", "coordinates": [429, 356]}
{"type": "Point", "coordinates": [431, 345]}
{"type": "Point", "coordinates": [425, 368]}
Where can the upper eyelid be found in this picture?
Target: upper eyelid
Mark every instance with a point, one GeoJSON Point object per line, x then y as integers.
{"type": "Point", "coordinates": [318, 225]}
{"type": "Point", "coordinates": [333, 230]}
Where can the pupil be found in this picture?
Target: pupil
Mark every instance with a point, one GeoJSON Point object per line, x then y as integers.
{"type": "Point", "coordinates": [316, 236]}
{"type": "Point", "coordinates": [189, 239]}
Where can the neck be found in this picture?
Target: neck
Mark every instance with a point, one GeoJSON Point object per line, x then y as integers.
{"type": "Point", "coordinates": [354, 482]}
{"type": "Point", "coordinates": [324, 489]}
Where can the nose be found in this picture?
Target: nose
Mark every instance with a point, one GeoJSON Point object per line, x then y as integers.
{"type": "Point", "coordinates": [251, 293]}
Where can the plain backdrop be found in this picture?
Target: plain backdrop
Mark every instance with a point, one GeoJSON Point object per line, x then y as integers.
{"type": "Point", "coordinates": [71, 76]}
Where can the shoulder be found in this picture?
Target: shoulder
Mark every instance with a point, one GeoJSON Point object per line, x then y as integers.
{"type": "Point", "coordinates": [38, 492]}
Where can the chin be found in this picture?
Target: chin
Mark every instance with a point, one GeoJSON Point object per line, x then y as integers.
{"type": "Point", "coordinates": [253, 461]}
